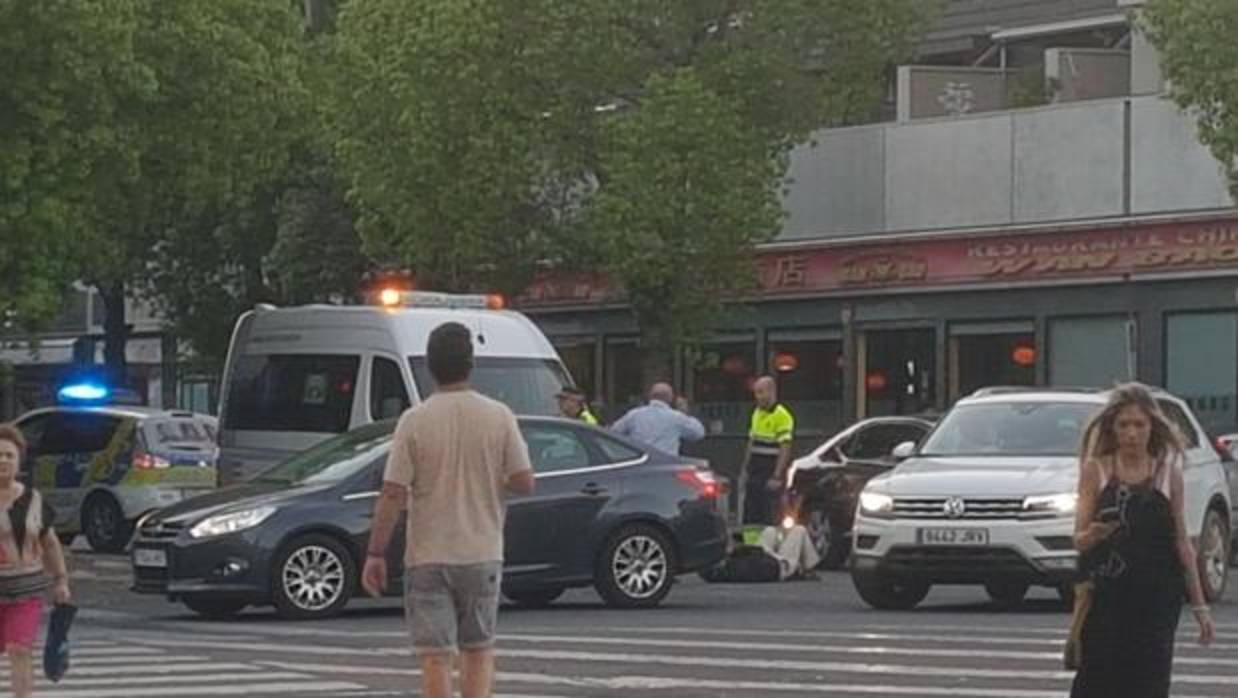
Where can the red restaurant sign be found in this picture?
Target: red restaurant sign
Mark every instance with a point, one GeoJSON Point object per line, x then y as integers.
{"type": "Point", "coordinates": [1114, 252]}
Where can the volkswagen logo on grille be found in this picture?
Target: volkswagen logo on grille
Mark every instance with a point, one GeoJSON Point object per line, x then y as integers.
{"type": "Point", "coordinates": [954, 507]}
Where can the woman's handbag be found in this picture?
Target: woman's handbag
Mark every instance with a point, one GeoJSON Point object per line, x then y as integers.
{"type": "Point", "coordinates": [1073, 655]}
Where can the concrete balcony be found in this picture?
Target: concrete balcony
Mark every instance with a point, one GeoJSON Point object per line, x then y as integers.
{"type": "Point", "coordinates": [1098, 159]}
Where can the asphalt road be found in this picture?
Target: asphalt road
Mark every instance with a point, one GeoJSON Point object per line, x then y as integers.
{"type": "Point", "coordinates": [708, 640]}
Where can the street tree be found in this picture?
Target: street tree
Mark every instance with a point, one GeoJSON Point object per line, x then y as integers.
{"type": "Point", "coordinates": [691, 174]}
{"type": "Point", "coordinates": [217, 123]}
{"type": "Point", "coordinates": [461, 126]}
{"type": "Point", "coordinates": [690, 187]}
{"type": "Point", "coordinates": [1199, 56]}
{"type": "Point", "coordinates": [70, 68]}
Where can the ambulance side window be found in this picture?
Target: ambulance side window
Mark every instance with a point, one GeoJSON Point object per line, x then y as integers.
{"type": "Point", "coordinates": [388, 395]}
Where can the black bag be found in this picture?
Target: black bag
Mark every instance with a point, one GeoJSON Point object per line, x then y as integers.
{"type": "Point", "coordinates": [747, 564]}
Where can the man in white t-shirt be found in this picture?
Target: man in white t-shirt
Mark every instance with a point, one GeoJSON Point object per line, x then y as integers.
{"type": "Point", "coordinates": [453, 460]}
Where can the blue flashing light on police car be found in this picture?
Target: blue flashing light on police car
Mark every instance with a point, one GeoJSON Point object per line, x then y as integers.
{"type": "Point", "coordinates": [84, 392]}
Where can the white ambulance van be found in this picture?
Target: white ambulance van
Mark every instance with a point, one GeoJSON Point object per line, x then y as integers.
{"type": "Point", "coordinates": [295, 376]}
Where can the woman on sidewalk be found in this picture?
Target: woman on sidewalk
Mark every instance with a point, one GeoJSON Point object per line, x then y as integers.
{"type": "Point", "coordinates": [1135, 550]}
{"type": "Point", "coordinates": [30, 561]}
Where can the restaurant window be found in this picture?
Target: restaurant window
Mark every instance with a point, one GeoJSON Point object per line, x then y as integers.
{"type": "Point", "coordinates": [809, 368]}
{"type": "Point", "coordinates": [578, 356]}
{"type": "Point", "coordinates": [1090, 352]}
{"type": "Point", "coordinates": [722, 377]}
{"type": "Point", "coordinates": [899, 372]}
{"type": "Point", "coordinates": [624, 388]}
{"type": "Point", "coordinates": [991, 354]}
{"type": "Point", "coordinates": [1201, 356]}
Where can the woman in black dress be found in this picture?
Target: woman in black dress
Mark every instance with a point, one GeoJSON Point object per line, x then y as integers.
{"type": "Point", "coordinates": [1134, 546]}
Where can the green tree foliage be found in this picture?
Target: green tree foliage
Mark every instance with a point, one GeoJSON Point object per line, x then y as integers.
{"type": "Point", "coordinates": [690, 187]}
{"type": "Point", "coordinates": [462, 127]}
{"type": "Point", "coordinates": [70, 69]}
{"type": "Point", "coordinates": [218, 123]}
{"type": "Point", "coordinates": [483, 141]}
{"type": "Point", "coordinates": [1199, 56]}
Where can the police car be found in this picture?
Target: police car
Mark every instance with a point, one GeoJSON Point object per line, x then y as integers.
{"type": "Point", "coordinates": [102, 465]}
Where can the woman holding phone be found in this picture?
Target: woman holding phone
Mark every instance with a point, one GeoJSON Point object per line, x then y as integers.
{"type": "Point", "coordinates": [1134, 547]}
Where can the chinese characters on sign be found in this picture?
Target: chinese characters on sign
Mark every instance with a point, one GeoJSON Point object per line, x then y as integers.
{"type": "Point", "coordinates": [1109, 253]}
{"type": "Point", "coordinates": [788, 271]}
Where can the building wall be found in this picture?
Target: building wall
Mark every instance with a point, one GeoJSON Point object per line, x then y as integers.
{"type": "Point", "coordinates": [1095, 159]}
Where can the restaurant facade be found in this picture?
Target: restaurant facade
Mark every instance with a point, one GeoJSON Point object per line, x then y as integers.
{"type": "Point", "coordinates": [907, 325]}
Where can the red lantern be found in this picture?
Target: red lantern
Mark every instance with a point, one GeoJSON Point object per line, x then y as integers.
{"type": "Point", "coordinates": [1024, 356]}
{"type": "Point", "coordinates": [785, 362]}
{"type": "Point", "coordinates": [876, 381]}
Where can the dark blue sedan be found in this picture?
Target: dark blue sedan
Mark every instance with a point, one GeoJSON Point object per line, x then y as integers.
{"type": "Point", "coordinates": [607, 513]}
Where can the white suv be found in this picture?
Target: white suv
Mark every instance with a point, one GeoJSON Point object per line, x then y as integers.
{"type": "Point", "coordinates": [988, 498]}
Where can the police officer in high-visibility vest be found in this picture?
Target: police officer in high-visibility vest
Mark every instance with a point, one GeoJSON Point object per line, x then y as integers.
{"type": "Point", "coordinates": [573, 404]}
{"type": "Point", "coordinates": [769, 454]}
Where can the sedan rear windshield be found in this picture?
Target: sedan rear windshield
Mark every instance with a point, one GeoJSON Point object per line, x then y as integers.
{"type": "Point", "coordinates": [527, 386]}
{"type": "Point", "coordinates": [334, 459]}
{"type": "Point", "coordinates": [1011, 429]}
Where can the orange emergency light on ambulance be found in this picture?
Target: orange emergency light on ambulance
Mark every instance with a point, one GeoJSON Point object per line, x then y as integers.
{"type": "Point", "coordinates": [295, 376]}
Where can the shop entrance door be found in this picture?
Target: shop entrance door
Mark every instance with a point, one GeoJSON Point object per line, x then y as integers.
{"type": "Point", "coordinates": [896, 372]}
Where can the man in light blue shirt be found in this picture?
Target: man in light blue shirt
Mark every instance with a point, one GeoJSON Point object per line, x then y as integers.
{"type": "Point", "coordinates": [659, 425]}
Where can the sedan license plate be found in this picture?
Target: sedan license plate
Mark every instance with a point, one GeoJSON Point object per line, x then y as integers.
{"type": "Point", "coordinates": [953, 536]}
{"type": "Point", "coordinates": [150, 557]}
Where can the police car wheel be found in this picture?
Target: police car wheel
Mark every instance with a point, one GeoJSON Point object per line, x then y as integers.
{"type": "Point", "coordinates": [104, 524]}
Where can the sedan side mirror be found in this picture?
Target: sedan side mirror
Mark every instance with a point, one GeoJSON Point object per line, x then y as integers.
{"type": "Point", "coordinates": [903, 451]}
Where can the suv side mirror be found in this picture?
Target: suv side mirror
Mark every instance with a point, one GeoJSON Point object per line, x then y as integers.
{"type": "Point", "coordinates": [903, 451]}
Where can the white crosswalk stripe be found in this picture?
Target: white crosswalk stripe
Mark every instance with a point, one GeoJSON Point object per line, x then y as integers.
{"type": "Point", "coordinates": [983, 661]}
{"type": "Point", "coordinates": [118, 669]}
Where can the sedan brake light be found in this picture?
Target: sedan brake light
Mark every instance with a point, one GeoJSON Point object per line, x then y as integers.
{"type": "Point", "coordinates": [703, 481]}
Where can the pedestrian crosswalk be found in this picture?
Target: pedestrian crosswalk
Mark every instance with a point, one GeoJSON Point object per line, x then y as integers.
{"type": "Point", "coordinates": [1018, 656]}
{"type": "Point", "coordinates": [119, 669]}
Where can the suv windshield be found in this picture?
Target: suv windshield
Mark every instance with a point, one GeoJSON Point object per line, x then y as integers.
{"type": "Point", "coordinates": [526, 386]}
{"type": "Point", "coordinates": [334, 459]}
{"type": "Point", "coordinates": [1011, 429]}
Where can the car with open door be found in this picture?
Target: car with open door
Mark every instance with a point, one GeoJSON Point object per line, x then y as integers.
{"type": "Point", "coordinates": [827, 481]}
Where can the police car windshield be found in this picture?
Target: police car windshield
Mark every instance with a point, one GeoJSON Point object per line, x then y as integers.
{"type": "Point", "coordinates": [334, 459]}
{"type": "Point", "coordinates": [1011, 429]}
{"type": "Point", "coordinates": [527, 386]}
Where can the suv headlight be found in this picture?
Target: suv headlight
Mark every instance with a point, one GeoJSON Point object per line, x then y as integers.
{"type": "Point", "coordinates": [223, 524]}
{"type": "Point", "coordinates": [876, 503]}
{"type": "Point", "coordinates": [1051, 504]}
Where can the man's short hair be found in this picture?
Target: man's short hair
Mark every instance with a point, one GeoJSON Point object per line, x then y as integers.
{"type": "Point", "coordinates": [449, 353]}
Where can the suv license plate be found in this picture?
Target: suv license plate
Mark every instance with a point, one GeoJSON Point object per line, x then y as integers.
{"type": "Point", "coordinates": [953, 536]}
{"type": "Point", "coordinates": [150, 557]}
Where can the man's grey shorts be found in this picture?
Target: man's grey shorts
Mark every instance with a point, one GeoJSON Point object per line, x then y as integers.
{"type": "Point", "coordinates": [452, 607]}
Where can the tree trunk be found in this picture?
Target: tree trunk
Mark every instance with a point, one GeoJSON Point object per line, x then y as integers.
{"type": "Point", "coordinates": [657, 358]}
{"type": "Point", "coordinates": [115, 333]}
